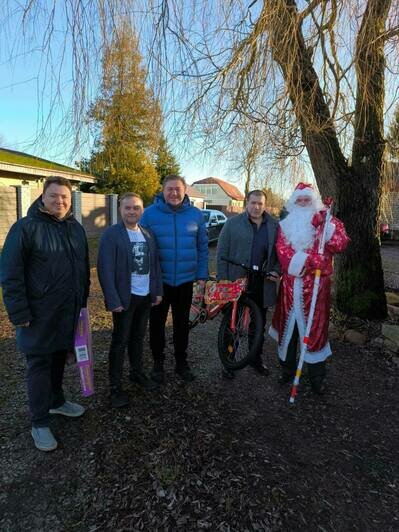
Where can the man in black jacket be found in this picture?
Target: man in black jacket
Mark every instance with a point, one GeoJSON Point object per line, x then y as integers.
{"type": "Point", "coordinates": [130, 277]}
{"type": "Point", "coordinates": [45, 279]}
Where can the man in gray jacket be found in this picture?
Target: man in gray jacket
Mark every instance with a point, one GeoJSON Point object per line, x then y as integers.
{"type": "Point", "coordinates": [249, 239]}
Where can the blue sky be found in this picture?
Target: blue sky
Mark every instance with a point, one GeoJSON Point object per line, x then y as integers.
{"type": "Point", "coordinates": [24, 109]}
{"type": "Point", "coordinates": [27, 98]}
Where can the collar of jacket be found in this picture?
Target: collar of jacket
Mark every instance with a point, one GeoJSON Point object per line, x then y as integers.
{"type": "Point", "coordinates": [264, 217]}
{"type": "Point", "coordinates": [37, 209]}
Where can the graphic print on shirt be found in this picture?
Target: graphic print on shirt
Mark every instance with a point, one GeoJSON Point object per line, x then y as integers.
{"type": "Point", "coordinates": [140, 263]}
{"type": "Point", "coordinates": [140, 275]}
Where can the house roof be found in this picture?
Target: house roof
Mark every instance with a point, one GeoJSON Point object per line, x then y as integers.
{"type": "Point", "coordinates": [193, 192]}
{"type": "Point", "coordinates": [229, 189]}
{"type": "Point", "coordinates": [23, 163]}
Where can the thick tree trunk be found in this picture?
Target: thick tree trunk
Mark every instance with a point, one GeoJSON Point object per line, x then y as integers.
{"type": "Point", "coordinates": [359, 275]}
{"type": "Point", "coordinates": [356, 189]}
{"type": "Point", "coordinates": [361, 282]}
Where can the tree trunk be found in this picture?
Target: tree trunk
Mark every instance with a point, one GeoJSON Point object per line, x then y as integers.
{"type": "Point", "coordinates": [356, 189]}
{"type": "Point", "coordinates": [359, 275]}
{"type": "Point", "coordinates": [361, 280]}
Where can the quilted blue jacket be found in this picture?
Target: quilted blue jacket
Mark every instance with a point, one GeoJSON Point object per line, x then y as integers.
{"type": "Point", "coordinates": [182, 240]}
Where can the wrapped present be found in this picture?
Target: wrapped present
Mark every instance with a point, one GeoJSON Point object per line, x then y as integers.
{"type": "Point", "coordinates": [84, 353]}
{"type": "Point", "coordinates": [224, 291]}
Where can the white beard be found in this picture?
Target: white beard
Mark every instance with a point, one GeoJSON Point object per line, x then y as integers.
{"type": "Point", "coordinates": [298, 229]}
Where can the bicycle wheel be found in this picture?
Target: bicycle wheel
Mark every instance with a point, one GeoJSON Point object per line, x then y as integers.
{"type": "Point", "coordinates": [237, 348]}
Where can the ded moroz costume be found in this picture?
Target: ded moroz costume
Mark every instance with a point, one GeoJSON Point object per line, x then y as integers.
{"type": "Point", "coordinates": [297, 250]}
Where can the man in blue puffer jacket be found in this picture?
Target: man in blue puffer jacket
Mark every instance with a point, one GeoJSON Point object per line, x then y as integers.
{"type": "Point", "coordinates": [182, 240]}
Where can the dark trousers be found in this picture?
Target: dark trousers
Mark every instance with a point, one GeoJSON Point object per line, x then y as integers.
{"type": "Point", "coordinates": [179, 298]}
{"type": "Point", "coordinates": [255, 292]}
{"type": "Point", "coordinates": [315, 371]}
{"type": "Point", "coordinates": [44, 377]}
{"type": "Point", "coordinates": [129, 331]}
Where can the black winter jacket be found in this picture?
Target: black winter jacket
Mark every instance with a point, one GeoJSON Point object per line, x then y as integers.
{"type": "Point", "coordinates": [45, 278]}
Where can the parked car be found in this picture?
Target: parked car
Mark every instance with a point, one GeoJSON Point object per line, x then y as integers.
{"type": "Point", "coordinates": [214, 220]}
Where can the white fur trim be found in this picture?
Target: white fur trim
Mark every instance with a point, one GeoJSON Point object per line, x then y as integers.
{"type": "Point", "coordinates": [330, 230]}
{"type": "Point", "coordinates": [304, 192]}
{"type": "Point", "coordinates": [297, 263]}
{"type": "Point", "coordinates": [312, 357]}
{"type": "Point", "coordinates": [273, 333]}
{"type": "Point", "coordinates": [297, 315]}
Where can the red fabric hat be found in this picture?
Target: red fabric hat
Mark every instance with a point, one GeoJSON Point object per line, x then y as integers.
{"type": "Point", "coordinates": [304, 186]}
{"type": "Point", "coordinates": [304, 189]}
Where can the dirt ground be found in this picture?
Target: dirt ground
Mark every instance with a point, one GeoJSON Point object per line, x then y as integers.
{"type": "Point", "coordinates": [212, 455]}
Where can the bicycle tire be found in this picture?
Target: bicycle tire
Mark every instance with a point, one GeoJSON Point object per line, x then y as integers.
{"type": "Point", "coordinates": [238, 349]}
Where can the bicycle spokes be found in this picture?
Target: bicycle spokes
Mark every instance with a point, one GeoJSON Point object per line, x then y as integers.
{"type": "Point", "coordinates": [239, 335]}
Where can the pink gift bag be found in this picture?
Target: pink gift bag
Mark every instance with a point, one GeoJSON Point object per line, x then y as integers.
{"type": "Point", "coordinates": [84, 353]}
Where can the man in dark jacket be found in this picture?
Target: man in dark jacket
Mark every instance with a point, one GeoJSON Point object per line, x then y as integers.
{"type": "Point", "coordinates": [45, 279]}
{"type": "Point", "coordinates": [249, 239]}
{"type": "Point", "coordinates": [130, 276]}
{"type": "Point", "coordinates": [182, 240]}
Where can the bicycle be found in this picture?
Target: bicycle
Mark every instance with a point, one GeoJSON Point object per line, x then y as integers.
{"type": "Point", "coordinates": [240, 332]}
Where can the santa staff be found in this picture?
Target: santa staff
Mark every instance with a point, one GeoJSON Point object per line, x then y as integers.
{"type": "Point", "coordinates": [299, 236]}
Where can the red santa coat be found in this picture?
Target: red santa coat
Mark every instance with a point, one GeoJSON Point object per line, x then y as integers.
{"type": "Point", "coordinates": [296, 288]}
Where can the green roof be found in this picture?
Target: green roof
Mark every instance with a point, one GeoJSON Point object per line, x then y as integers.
{"type": "Point", "coordinates": [24, 159]}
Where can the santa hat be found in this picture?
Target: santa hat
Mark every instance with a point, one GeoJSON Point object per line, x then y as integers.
{"type": "Point", "coordinates": [304, 189]}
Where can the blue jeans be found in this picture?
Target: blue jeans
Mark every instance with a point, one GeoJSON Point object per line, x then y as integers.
{"type": "Point", "coordinates": [44, 377]}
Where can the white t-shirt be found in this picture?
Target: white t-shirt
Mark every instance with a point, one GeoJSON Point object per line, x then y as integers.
{"type": "Point", "coordinates": [140, 284]}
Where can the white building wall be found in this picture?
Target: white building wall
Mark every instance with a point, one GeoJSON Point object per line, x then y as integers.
{"type": "Point", "coordinates": [214, 195]}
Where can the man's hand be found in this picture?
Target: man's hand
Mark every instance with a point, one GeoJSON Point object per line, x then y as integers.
{"type": "Point", "coordinates": [158, 300]}
{"type": "Point", "coordinates": [118, 309]}
{"type": "Point", "coordinates": [199, 293]}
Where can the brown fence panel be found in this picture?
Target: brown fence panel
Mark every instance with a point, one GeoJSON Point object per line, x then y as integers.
{"type": "Point", "coordinates": [94, 214]}
{"type": "Point", "coordinates": [35, 193]}
{"type": "Point", "coordinates": [8, 210]}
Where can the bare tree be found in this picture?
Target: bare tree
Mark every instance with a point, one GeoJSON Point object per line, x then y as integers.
{"type": "Point", "coordinates": [314, 73]}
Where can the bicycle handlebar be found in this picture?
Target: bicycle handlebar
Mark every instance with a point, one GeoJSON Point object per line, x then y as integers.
{"type": "Point", "coordinates": [231, 261]}
{"type": "Point", "coordinates": [246, 268]}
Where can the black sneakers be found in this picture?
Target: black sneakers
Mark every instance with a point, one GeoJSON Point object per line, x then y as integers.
{"type": "Point", "coordinates": [157, 373]}
{"type": "Point", "coordinates": [143, 381]}
{"type": "Point", "coordinates": [185, 373]}
{"type": "Point", "coordinates": [260, 368]}
{"type": "Point", "coordinates": [119, 398]}
{"type": "Point", "coordinates": [317, 385]}
{"type": "Point", "coordinates": [285, 378]}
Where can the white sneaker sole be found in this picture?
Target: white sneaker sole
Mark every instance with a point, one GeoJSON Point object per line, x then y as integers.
{"type": "Point", "coordinates": [67, 414]}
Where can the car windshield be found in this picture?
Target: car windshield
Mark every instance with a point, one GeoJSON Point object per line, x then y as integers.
{"type": "Point", "coordinates": [206, 215]}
